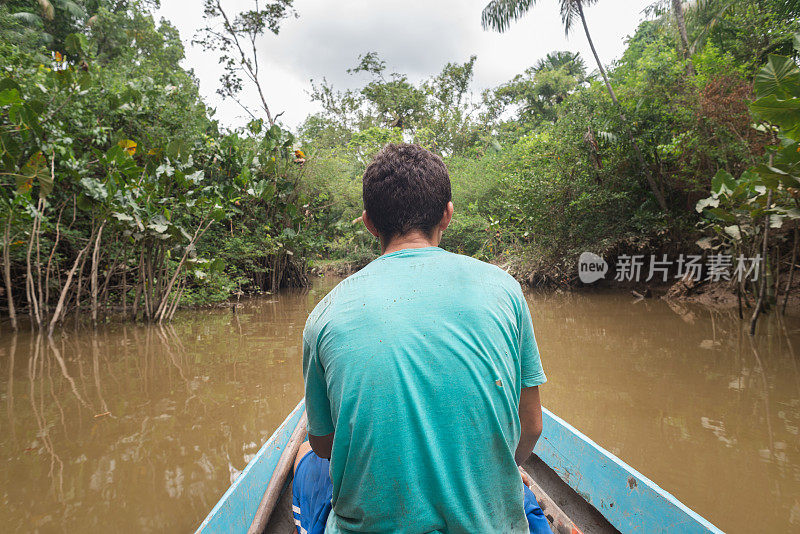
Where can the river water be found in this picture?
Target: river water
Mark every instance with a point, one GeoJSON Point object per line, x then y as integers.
{"type": "Point", "coordinates": [142, 428]}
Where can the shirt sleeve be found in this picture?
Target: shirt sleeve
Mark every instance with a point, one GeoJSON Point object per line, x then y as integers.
{"type": "Point", "coordinates": [318, 407]}
{"type": "Point", "coordinates": [530, 362]}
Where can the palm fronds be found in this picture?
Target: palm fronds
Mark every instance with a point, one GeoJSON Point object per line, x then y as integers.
{"type": "Point", "coordinates": [571, 62]}
{"type": "Point", "coordinates": [499, 14]}
{"type": "Point", "coordinates": [75, 10]}
{"type": "Point", "coordinates": [29, 19]}
{"type": "Point", "coordinates": [570, 9]}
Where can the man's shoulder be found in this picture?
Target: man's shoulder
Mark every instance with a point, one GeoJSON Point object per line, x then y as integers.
{"type": "Point", "coordinates": [459, 269]}
{"type": "Point", "coordinates": [321, 308]}
{"type": "Point", "coordinates": [325, 307]}
{"type": "Point", "coordinates": [487, 272]}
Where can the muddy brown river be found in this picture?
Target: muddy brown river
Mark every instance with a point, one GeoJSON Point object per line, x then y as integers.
{"type": "Point", "coordinates": [142, 428]}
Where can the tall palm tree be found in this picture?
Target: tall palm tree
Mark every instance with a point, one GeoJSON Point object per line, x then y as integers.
{"type": "Point", "coordinates": [660, 9]}
{"type": "Point", "coordinates": [680, 20]}
{"type": "Point", "coordinates": [499, 14]}
{"type": "Point", "coordinates": [571, 62]}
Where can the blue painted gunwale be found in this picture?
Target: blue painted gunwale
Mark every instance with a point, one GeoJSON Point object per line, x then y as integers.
{"type": "Point", "coordinates": [235, 510]}
{"type": "Point", "coordinates": [629, 500]}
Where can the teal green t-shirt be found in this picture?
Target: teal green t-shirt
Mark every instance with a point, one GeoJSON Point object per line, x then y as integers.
{"type": "Point", "coordinates": [416, 362]}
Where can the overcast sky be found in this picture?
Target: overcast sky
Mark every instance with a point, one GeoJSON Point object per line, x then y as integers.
{"type": "Point", "coordinates": [415, 37]}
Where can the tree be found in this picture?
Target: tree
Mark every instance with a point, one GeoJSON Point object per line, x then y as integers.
{"type": "Point", "coordinates": [236, 41]}
{"type": "Point", "coordinates": [499, 14]}
{"type": "Point", "coordinates": [677, 10]}
{"type": "Point", "coordinates": [571, 63]}
{"type": "Point", "coordinates": [50, 20]}
{"type": "Point", "coordinates": [540, 88]}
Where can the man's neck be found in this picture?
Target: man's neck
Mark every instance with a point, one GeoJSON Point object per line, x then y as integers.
{"type": "Point", "coordinates": [415, 239]}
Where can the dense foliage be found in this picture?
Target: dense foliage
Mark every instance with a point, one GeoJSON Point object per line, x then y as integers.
{"type": "Point", "coordinates": [548, 164]}
{"type": "Point", "coordinates": [120, 192]}
{"type": "Point", "coordinates": [117, 185]}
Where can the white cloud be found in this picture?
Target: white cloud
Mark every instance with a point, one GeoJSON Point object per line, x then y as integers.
{"type": "Point", "coordinates": [415, 37]}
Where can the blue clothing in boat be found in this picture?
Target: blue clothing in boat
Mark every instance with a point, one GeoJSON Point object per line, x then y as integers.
{"type": "Point", "coordinates": [417, 362]}
{"type": "Point", "coordinates": [312, 489]}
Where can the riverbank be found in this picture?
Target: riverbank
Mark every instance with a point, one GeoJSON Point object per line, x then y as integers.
{"type": "Point", "coordinates": [722, 295]}
{"type": "Point", "coordinates": [340, 267]}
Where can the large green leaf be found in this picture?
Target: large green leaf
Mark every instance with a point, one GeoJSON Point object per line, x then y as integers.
{"type": "Point", "coordinates": [783, 112]}
{"type": "Point", "coordinates": [255, 126]}
{"type": "Point", "coordinates": [178, 149]}
{"type": "Point", "coordinates": [73, 9]}
{"type": "Point", "coordinates": [9, 96]}
{"type": "Point", "coordinates": [8, 83]}
{"type": "Point", "coordinates": [275, 132]}
{"type": "Point", "coordinates": [733, 232]}
{"type": "Point", "coordinates": [75, 43]}
{"type": "Point", "coordinates": [723, 182]}
{"type": "Point", "coordinates": [159, 224]}
{"type": "Point", "coordinates": [31, 119]}
{"type": "Point", "coordinates": [705, 203]}
{"type": "Point", "coordinates": [122, 216]}
{"type": "Point", "coordinates": [791, 213]}
{"type": "Point", "coordinates": [9, 146]}
{"type": "Point", "coordinates": [723, 214]}
{"type": "Point", "coordinates": [36, 170]}
{"type": "Point", "coordinates": [94, 188]}
{"type": "Point", "coordinates": [772, 176]}
{"type": "Point", "coordinates": [779, 77]}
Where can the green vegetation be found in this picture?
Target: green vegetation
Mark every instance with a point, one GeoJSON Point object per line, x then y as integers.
{"type": "Point", "coordinates": [559, 160]}
{"type": "Point", "coordinates": [766, 191]}
{"type": "Point", "coordinates": [117, 186]}
{"type": "Point", "coordinates": [119, 192]}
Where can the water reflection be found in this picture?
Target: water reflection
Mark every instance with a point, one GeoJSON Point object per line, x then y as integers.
{"type": "Point", "coordinates": [136, 428]}
{"type": "Point", "coordinates": [686, 396]}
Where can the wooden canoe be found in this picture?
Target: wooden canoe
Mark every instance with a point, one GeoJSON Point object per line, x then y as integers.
{"type": "Point", "coordinates": [580, 486]}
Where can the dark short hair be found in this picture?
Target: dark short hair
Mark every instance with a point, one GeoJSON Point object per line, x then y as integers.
{"type": "Point", "coordinates": [406, 188]}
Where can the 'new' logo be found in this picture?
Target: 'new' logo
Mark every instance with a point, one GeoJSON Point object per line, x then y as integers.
{"type": "Point", "coordinates": [591, 267]}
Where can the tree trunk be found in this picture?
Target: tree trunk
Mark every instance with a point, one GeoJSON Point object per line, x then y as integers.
{"type": "Point", "coordinates": [39, 292]}
{"type": "Point", "coordinates": [30, 285]}
{"type": "Point", "coordinates": [677, 9]}
{"type": "Point", "coordinates": [739, 299]}
{"type": "Point", "coordinates": [137, 296]}
{"type": "Point", "coordinates": [648, 175]}
{"type": "Point", "coordinates": [162, 307]}
{"type": "Point", "coordinates": [12, 314]}
{"type": "Point", "coordinates": [79, 285]}
{"type": "Point", "coordinates": [125, 292]}
{"type": "Point", "coordinates": [64, 290]}
{"type": "Point", "coordinates": [791, 272]}
{"type": "Point", "coordinates": [144, 276]}
{"type": "Point", "coordinates": [763, 282]}
{"type": "Point", "coordinates": [93, 275]}
{"type": "Point", "coordinates": [176, 300]}
{"type": "Point", "coordinates": [107, 283]}
{"type": "Point", "coordinates": [50, 263]}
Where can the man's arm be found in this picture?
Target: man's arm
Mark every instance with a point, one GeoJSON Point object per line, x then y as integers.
{"type": "Point", "coordinates": [530, 418]}
{"type": "Point", "coordinates": [530, 406]}
{"type": "Point", "coordinates": [318, 407]}
{"type": "Point", "coordinates": [322, 445]}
